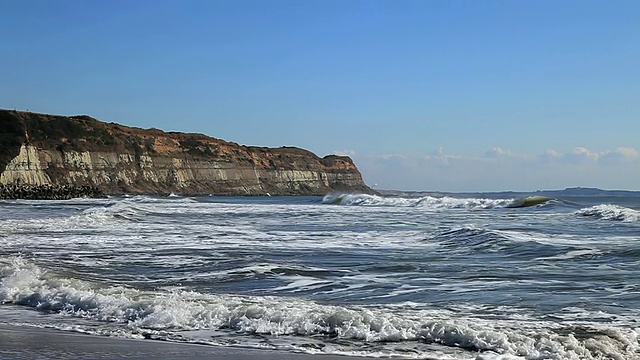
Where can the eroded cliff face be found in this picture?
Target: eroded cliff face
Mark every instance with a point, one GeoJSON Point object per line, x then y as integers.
{"type": "Point", "coordinates": [38, 149]}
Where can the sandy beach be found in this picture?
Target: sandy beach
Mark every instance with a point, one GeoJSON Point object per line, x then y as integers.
{"type": "Point", "coordinates": [18, 342]}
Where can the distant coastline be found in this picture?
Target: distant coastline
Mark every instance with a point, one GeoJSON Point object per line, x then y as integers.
{"type": "Point", "coordinates": [572, 191]}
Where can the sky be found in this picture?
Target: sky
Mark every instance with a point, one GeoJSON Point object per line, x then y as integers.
{"type": "Point", "coordinates": [423, 95]}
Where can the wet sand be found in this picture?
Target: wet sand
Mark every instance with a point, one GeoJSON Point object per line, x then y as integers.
{"type": "Point", "coordinates": [18, 342]}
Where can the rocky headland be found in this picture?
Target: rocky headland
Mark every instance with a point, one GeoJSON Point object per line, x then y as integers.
{"type": "Point", "coordinates": [52, 156]}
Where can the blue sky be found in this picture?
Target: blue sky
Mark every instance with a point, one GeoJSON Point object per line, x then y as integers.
{"type": "Point", "coordinates": [424, 95]}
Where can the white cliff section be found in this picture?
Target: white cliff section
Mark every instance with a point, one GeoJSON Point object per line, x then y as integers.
{"type": "Point", "coordinates": [109, 169]}
{"type": "Point", "coordinates": [25, 169]}
{"type": "Point", "coordinates": [294, 178]}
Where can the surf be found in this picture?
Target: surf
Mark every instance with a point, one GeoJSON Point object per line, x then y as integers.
{"type": "Point", "coordinates": [166, 313]}
{"type": "Point", "coordinates": [610, 212]}
{"type": "Point", "coordinates": [431, 202]}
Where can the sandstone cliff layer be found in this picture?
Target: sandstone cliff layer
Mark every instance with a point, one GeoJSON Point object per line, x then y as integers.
{"type": "Point", "coordinates": [51, 150]}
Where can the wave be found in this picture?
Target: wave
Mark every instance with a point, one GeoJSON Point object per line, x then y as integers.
{"type": "Point", "coordinates": [610, 212]}
{"type": "Point", "coordinates": [431, 202]}
{"type": "Point", "coordinates": [472, 239]}
{"type": "Point", "coordinates": [469, 236]}
{"type": "Point", "coordinates": [120, 210]}
{"type": "Point", "coordinates": [135, 208]}
{"type": "Point", "coordinates": [98, 213]}
{"type": "Point", "coordinates": [25, 284]}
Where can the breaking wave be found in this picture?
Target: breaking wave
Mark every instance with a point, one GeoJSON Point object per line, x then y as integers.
{"type": "Point", "coordinates": [25, 284]}
{"type": "Point", "coordinates": [611, 212]}
{"type": "Point", "coordinates": [99, 214]}
{"type": "Point", "coordinates": [430, 201]}
{"type": "Point", "coordinates": [135, 208]}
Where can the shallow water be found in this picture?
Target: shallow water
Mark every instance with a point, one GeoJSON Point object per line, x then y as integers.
{"type": "Point", "coordinates": [349, 274]}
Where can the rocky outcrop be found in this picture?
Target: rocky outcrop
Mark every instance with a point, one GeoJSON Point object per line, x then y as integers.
{"type": "Point", "coordinates": [50, 150]}
{"type": "Point", "coordinates": [51, 192]}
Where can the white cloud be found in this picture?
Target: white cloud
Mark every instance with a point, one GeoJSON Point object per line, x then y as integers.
{"type": "Point", "coordinates": [627, 152]}
{"type": "Point", "coordinates": [497, 152]}
{"type": "Point", "coordinates": [553, 154]}
{"type": "Point", "coordinates": [344, 152]}
{"type": "Point", "coordinates": [501, 169]}
{"type": "Point", "coordinates": [581, 154]}
{"type": "Point", "coordinates": [441, 158]}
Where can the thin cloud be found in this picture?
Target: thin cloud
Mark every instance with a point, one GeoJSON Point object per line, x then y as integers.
{"type": "Point", "coordinates": [627, 152]}
{"type": "Point", "coordinates": [344, 152]}
{"type": "Point", "coordinates": [502, 169]}
{"type": "Point", "coordinates": [497, 152]}
{"type": "Point", "coordinates": [581, 155]}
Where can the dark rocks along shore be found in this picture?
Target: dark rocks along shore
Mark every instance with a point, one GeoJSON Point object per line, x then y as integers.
{"type": "Point", "coordinates": [49, 192]}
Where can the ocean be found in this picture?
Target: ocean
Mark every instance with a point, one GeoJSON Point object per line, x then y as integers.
{"type": "Point", "coordinates": [351, 274]}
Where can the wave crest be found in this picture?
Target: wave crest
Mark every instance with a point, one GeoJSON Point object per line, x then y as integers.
{"type": "Point", "coordinates": [426, 201]}
{"type": "Point", "coordinates": [610, 212]}
{"type": "Point", "coordinates": [28, 285]}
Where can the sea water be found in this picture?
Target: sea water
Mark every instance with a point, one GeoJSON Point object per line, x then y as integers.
{"type": "Point", "coordinates": [424, 277]}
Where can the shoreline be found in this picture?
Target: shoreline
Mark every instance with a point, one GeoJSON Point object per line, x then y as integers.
{"type": "Point", "coordinates": [66, 192]}
{"type": "Point", "coordinates": [26, 342]}
{"type": "Point", "coordinates": [48, 192]}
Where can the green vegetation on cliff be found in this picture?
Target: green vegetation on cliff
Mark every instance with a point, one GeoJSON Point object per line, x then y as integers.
{"type": "Point", "coordinates": [12, 136]}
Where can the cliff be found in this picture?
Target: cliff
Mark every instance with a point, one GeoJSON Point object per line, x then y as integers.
{"type": "Point", "coordinates": [51, 150]}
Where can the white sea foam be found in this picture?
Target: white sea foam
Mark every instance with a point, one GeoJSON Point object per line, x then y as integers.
{"type": "Point", "coordinates": [426, 201]}
{"type": "Point", "coordinates": [26, 284]}
{"type": "Point", "coordinates": [573, 254]}
{"type": "Point", "coordinates": [611, 212]}
{"type": "Point", "coordinates": [302, 283]}
{"type": "Point", "coordinates": [213, 247]}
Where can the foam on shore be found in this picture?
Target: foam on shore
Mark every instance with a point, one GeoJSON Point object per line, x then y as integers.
{"type": "Point", "coordinates": [24, 342]}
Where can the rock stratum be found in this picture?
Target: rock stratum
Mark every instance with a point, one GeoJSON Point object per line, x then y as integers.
{"type": "Point", "coordinates": [40, 151]}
